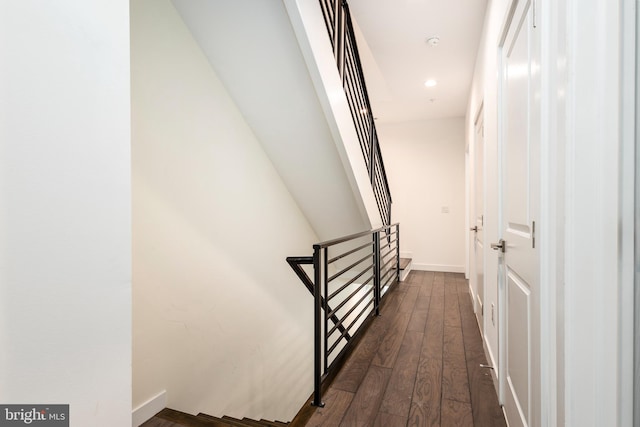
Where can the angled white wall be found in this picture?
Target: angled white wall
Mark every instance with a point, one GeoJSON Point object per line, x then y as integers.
{"type": "Point", "coordinates": [311, 32]}
{"type": "Point", "coordinates": [65, 272]}
{"type": "Point", "coordinates": [220, 320]}
{"type": "Point", "coordinates": [255, 52]}
{"type": "Point", "coordinates": [425, 162]}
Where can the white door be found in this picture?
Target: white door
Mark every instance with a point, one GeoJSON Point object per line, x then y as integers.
{"type": "Point", "coordinates": [519, 105]}
{"type": "Point", "coordinates": [478, 223]}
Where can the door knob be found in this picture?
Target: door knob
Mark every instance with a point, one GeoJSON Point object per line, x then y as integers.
{"type": "Point", "coordinates": [474, 229]}
{"type": "Point", "coordinates": [501, 245]}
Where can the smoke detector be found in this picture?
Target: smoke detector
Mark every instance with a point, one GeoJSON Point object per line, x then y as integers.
{"type": "Point", "coordinates": [433, 41]}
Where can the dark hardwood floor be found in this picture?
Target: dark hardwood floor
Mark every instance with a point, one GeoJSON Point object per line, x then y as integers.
{"type": "Point", "coordinates": [418, 364]}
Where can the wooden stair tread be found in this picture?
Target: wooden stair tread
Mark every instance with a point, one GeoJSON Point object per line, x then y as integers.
{"type": "Point", "coordinates": [273, 423]}
{"type": "Point", "coordinates": [253, 423]}
{"type": "Point", "coordinates": [404, 263]}
{"type": "Point", "coordinates": [245, 422]}
{"type": "Point", "coordinates": [190, 420]}
{"type": "Point", "coordinates": [229, 421]}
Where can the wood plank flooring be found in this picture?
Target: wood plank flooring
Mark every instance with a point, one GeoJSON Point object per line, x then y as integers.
{"type": "Point", "coordinates": [418, 364]}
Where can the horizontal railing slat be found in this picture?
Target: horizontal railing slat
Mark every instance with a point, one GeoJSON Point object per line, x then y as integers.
{"type": "Point", "coordinates": [336, 258]}
{"type": "Point", "coordinates": [344, 270]}
{"type": "Point", "coordinates": [346, 315]}
{"type": "Point", "coordinates": [339, 240]}
{"type": "Point", "coordinates": [348, 299]}
{"type": "Point", "coordinates": [346, 285]}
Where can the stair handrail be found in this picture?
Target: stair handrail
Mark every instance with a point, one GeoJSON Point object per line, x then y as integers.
{"type": "Point", "coordinates": [385, 271]}
{"type": "Point", "coordinates": [345, 48]}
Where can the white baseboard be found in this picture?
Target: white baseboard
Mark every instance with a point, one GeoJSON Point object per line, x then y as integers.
{"type": "Point", "coordinates": [472, 297]}
{"type": "Point", "coordinates": [439, 268]}
{"type": "Point", "coordinates": [492, 362]}
{"type": "Point", "coordinates": [148, 409]}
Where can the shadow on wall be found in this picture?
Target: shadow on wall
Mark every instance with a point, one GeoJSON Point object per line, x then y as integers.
{"type": "Point", "coordinates": [215, 303]}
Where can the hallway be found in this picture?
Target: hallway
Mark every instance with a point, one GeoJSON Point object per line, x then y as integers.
{"type": "Point", "coordinates": [418, 364]}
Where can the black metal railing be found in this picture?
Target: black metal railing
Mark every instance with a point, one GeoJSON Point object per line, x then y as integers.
{"type": "Point", "coordinates": [340, 28]}
{"type": "Point", "coordinates": [350, 276]}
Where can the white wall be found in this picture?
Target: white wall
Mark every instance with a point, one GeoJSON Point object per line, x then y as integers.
{"type": "Point", "coordinates": [65, 275]}
{"type": "Point", "coordinates": [425, 163]}
{"type": "Point", "coordinates": [259, 59]}
{"type": "Point", "coordinates": [220, 321]}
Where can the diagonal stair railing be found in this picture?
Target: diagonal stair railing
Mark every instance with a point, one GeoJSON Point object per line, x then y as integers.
{"type": "Point", "coordinates": [351, 275]}
{"type": "Point", "coordinates": [340, 28]}
{"type": "Point", "coordinates": [296, 264]}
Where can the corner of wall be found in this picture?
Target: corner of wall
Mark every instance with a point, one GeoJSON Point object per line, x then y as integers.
{"type": "Point", "coordinates": [148, 409]}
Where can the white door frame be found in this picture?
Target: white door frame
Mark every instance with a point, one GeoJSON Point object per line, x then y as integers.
{"type": "Point", "coordinates": [479, 287]}
{"type": "Point", "coordinates": [468, 197]}
{"type": "Point", "coordinates": [630, 206]}
{"type": "Point", "coordinates": [633, 56]}
{"type": "Point", "coordinates": [588, 59]}
{"type": "Point", "coordinates": [599, 194]}
{"type": "Point", "coordinates": [554, 81]}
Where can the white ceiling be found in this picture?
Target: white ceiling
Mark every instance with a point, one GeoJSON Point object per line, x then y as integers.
{"type": "Point", "coordinates": [397, 60]}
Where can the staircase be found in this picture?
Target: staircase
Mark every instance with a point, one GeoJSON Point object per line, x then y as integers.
{"type": "Point", "coordinates": [405, 268]}
{"type": "Point", "coordinates": [171, 418]}
{"type": "Point", "coordinates": [316, 126]}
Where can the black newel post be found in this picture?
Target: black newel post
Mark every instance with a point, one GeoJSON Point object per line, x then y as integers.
{"type": "Point", "coordinates": [317, 324]}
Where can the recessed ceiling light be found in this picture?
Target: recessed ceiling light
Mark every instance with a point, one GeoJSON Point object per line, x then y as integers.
{"type": "Point", "coordinates": [430, 83]}
{"type": "Point", "coordinates": [433, 41]}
